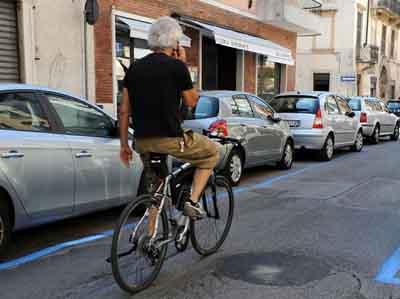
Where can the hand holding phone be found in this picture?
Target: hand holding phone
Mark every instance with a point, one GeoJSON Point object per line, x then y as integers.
{"type": "Point", "coordinates": [180, 53]}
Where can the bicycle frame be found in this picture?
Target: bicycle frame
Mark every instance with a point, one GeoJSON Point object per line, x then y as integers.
{"type": "Point", "coordinates": [164, 192]}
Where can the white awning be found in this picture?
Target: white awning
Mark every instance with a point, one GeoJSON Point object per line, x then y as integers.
{"type": "Point", "coordinates": [140, 29]}
{"type": "Point", "coordinates": [241, 41]}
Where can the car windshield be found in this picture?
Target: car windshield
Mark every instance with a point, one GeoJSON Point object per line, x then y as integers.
{"type": "Point", "coordinates": [207, 107]}
{"type": "Point", "coordinates": [355, 104]}
{"type": "Point", "coordinates": [393, 105]}
{"type": "Point", "coordinates": [294, 104]}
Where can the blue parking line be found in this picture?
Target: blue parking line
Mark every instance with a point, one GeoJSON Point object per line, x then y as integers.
{"type": "Point", "coordinates": [389, 269]}
{"type": "Point", "coordinates": [53, 249]}
{"type": "Point", "coordinates": [47, 251]}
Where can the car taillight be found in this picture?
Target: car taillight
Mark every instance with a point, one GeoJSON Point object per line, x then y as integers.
{"type": "Point", "coordinates": [220, 127]}
{"type": "Point", "coordinates": [318, 120]}
{"type": "Point", "coordinates": [363, 117]}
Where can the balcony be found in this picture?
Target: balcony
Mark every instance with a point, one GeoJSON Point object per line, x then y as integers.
{"type": "Point", "coordinates": [368, 54]}
{"type": "Point", "coordinates": [291, 15]}
{"type": "Point", "coordinates": [389, 8]}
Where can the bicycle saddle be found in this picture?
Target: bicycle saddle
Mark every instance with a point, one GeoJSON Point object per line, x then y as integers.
{"type": "Point", "coordinates": [156, 158]}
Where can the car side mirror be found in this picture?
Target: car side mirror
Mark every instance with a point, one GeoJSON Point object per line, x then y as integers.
{"type": "Point", "coordinates": [350, 114]}
{"type": "Point", "coordinates": [115, 129]}
{"type": "Point", "coordinates": [274, 118]}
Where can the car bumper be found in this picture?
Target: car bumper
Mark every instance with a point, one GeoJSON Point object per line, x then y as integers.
{"type": "Point", "coordinates": [309, 139]}
{"type": "Point", "coordinates": [367, 130]}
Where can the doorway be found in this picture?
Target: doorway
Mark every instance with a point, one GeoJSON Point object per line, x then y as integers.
{"type": "Point", "coordinates": [219, 69]}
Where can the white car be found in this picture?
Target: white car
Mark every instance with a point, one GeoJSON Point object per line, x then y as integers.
{"type": "Point", "coordinates": [375, 118]}
{"type": "Point", "coordinates": [321, 121]}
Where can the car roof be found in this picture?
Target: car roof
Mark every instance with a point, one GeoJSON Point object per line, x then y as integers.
{"type": "Point", "coordinates": [306, 93]}
{"type": "Point", "coordinates": [364, 98]}
{"type": "Point", "coordinates": [222, 93]}
{"type": "Point", "coordinates": [27, 87]}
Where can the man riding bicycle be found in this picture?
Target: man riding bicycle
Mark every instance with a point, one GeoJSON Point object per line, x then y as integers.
{"type": "Point", "coordinates": [154, 89]}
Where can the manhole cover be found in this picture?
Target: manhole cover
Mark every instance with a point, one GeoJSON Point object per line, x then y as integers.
{"type": "Point", "coordinates": [273, 268]}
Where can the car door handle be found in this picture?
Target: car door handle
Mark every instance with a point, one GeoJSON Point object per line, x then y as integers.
{"type": "Point", "coordinates": [12, 154]}
{"type": "Point", "coordinates": [83, 154]}
{"type": "Point", "coordinates": [243, 125]}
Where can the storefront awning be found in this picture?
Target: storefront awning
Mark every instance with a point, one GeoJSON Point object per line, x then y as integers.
{"type": "Point", "coordinates": [140, 29]}
{"type": "Point", "coordinates": [241, 41]}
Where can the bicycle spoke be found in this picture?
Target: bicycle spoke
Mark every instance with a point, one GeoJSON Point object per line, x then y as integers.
{"type": "Point", "coordinates": [209, 233]}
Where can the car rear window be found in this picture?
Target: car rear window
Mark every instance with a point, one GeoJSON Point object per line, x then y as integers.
{"type": "Point", "coordinates": [295, 104]}
{"type": "Point", "coordinates": [355, 104]}
{"type": "Point", "coordinates": [393, 105]}
{"type": "Point", "coordinates": [207, 107]}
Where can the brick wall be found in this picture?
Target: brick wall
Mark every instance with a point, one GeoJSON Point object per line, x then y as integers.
{"type": "Point", "coordinates": [194, 8]}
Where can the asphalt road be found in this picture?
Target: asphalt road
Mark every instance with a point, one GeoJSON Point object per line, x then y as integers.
{"type": "Point", "coordinates": [321, 230]}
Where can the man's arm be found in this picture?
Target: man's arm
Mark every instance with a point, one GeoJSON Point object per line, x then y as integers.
{"type": "Point", "coordinates": [190, 97]}
{"type": "Point", "coordinates": [126, 152]}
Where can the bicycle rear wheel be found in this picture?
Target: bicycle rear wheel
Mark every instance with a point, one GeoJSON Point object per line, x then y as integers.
{"type": "Point", "coordinates": [135, 263]}
{"type": "Point", "coordinates": [208, 234]}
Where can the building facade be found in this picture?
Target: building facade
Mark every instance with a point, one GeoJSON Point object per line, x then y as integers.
{"type": "Point", "coordinates": [47, 43]}
{"type": "Point", "coordinates": [357, 51]}
{"type": "Point", "coordinates": [231, 44]}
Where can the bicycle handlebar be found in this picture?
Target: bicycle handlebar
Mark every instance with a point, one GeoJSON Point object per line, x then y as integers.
{"type": "Point", "coordinates": [222, 139]}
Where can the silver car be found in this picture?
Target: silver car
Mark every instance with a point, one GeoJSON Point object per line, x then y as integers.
{"type": "Point", "coordinates": [264, 138]}
{"type": "Point", "coordinates": [320, 121]}
{"type": "Point", "coordinates": [375, 118]}
{"type": "Point", "coordinates": [59, 157]}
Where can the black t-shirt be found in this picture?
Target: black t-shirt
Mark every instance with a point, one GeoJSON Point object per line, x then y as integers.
{"type": "Point", "coordinates": [155, 84]}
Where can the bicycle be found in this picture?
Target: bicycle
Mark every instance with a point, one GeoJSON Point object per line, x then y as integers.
{"type": "Point", "coordinates": [171, 226]}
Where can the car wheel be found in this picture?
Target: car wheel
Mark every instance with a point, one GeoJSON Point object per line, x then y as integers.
{"type": "Point", "coordinates": [375, 135]}
{"type": "Point", "coordinates": [359, 142]}
{"type": "Point", "coordinates": [5, 226]}
{"type": "Point", "coordinates": [396, 133]}
{"type": "Point", "coordinates": [286, 161]}
{"type": "Point", "coordinates": [326, 153]}
{"type": "Point", "coordinates": [234, 168]}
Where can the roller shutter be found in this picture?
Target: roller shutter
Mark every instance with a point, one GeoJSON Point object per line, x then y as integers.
{"type": "Point", "coordinates": [9, 56]}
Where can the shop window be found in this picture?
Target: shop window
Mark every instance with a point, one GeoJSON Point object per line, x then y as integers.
{"type": "Point", "coordinates": [269, 76]}
{"type": "Point", "coordinates": [127, 50]}
{"type": "Point", "coordinates": [321, 81]}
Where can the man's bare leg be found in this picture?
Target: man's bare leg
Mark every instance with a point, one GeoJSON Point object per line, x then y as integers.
{"type": "Point", "coordinates": [200, 180]}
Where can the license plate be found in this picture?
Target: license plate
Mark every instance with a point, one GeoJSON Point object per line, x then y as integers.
{"type": "Point", "coordinates": [294, 123]}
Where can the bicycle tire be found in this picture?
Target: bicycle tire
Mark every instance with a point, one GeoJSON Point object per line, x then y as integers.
{"type": "Point", "coordinates": [132, 288]}
{"type": "Point", "coordinates": [194, 224]}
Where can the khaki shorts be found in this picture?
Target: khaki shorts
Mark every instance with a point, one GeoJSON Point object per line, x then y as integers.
{"type": "Point", "coordinates": [197, 149]}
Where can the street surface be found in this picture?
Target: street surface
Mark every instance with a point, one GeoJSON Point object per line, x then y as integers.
{"type": "Point", "coordinates": [320, 230]}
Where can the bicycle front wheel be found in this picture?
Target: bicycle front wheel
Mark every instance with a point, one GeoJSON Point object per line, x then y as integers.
{"type": "Point", "coordinates": [209, 233]}
{"type": "Point", "coordinates": [135, 261]}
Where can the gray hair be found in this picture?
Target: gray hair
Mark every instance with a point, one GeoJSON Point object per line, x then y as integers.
{"type": "Point", "coordinates": [164, 33]}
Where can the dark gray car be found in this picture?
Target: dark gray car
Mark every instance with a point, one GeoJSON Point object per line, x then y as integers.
{"type": "Point", "coordinates": [264, 138]}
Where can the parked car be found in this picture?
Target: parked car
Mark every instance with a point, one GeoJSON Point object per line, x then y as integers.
{"type": "Point", "coordinates": [59, 157]}
{"type": "Point", "coordinates": [394, 107]}
{"type": "Point", "coordinates": [264, 137]}
{"type": "Point", "coordinates": [375, 118]}
{"type": "Point", "coordinates": [320, 121]}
